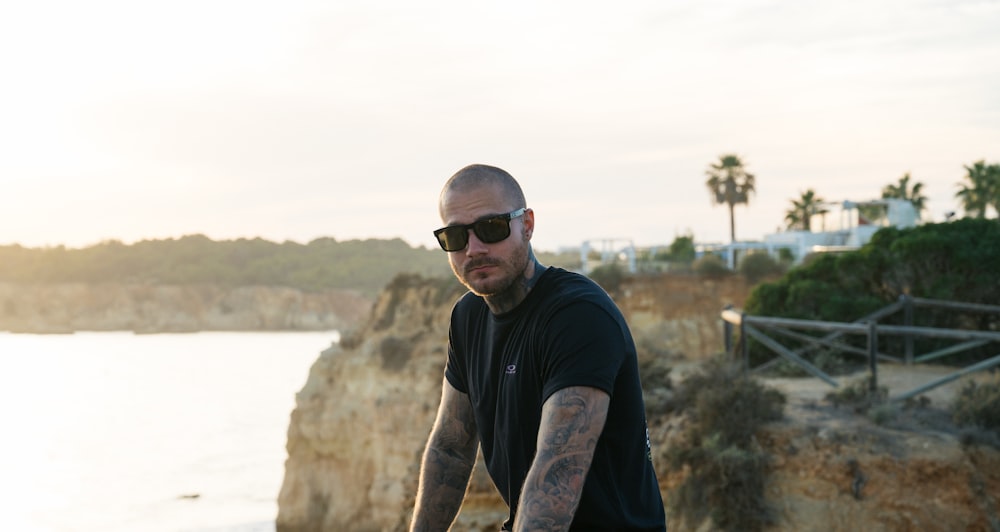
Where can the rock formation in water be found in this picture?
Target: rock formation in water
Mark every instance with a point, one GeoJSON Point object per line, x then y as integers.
{"type": "Point", "coordinates": [362, 418]}
{"type": "Point", "coordinates": [66, 308]}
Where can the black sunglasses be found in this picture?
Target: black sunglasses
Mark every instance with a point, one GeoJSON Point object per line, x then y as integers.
{"type": "Point", "coordinates": [488, 230]}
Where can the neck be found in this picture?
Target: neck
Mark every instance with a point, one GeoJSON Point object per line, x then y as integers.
{"type": "Point", "coordinates": [513, 296]}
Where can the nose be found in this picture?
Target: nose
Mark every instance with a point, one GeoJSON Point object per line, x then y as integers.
{"type": "Point", "coordinates": [475, 246]}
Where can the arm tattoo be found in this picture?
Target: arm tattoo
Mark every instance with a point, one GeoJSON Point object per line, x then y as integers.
{"type": "Point", "coordinates": [572, 421]}
{"type": "Point", "coordinates": [447, 463]}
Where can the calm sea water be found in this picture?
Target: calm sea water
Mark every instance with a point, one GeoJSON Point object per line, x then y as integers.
{"type": "Point", "coordinates": [169, 432]}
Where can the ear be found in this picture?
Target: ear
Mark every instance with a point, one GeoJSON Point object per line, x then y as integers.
{"type": "Point", "coordinates": [529, 223]}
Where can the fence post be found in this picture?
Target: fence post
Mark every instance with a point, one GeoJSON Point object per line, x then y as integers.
{"type": "Point", "coordinates": [873, 358]}
{"type": "Point", "coordinates": [727, 334]}
{"type": "Point", "coordinates": [746, 342]}
{"type": "Point", "coordinates": [907, 321]}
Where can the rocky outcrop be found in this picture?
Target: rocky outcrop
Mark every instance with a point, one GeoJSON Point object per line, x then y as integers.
{"type": "Point", "coordinates": [360, 422]}
{"type": "Point", "coordinates": [142, 308]}
{"type": "Point", "coordinates": [859, 476]}
{"type": "Point", "coordinates": [680, 313]}
{"type": "Point", "coordinates": [362, 418]}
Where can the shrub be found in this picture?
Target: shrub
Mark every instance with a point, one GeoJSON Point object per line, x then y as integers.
{"type": "Point", "coordinates": [952, 261]}
{"type": "Point", "coordinates": [609, 276]}
{"type": "Point", "coordinates": [978, 405]}
{"type": "Point", "coordinates": [785, 256]}
{"type": "Point", "coordinates": [828, 360]}
{"type": "Point", "coordinates": [726, 467]}
{"type": "Point", "coordinates": [711, 265]}
{"type": "Point", "coordinates": [682, 249]}
{"type": "Point", "coordinates": [858, 395]}
{"type": "Point", "coordinates": [757, 266]}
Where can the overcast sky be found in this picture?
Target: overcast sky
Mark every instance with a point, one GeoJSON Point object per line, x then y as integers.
{"type": "Point", "coordinates": [295, 120]}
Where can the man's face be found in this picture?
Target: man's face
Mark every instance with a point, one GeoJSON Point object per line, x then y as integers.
{"type": "Point", "coordinates": [487, 269]}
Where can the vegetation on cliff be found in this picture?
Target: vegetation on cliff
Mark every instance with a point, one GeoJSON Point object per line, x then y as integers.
{"type": "Point", "coordinates": [978, 406]}
{"type": "Point", "coordinates": [725, 467]}
{"type": "Point", "coordinates": [363, 265]}
{"type": "Point", "coordinates": [323, 264]}
{"type": "Point", "coordinates": [954, 261]}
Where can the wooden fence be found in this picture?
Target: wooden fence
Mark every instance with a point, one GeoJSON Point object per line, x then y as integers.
{"type": "Point", "coordinates": [764, 330]}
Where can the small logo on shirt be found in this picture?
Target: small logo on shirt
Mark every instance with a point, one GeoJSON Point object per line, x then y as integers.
{"type": "Point", "coordinates": [512, 369]}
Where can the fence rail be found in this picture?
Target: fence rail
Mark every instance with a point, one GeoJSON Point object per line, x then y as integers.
{"type": "Point", "coordinates": [758, 327]}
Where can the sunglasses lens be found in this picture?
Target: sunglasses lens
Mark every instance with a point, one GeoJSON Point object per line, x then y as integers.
{"type": "Point", "coordinates": [492, 230]}
{"type": "Point", "coordinates": [489, 231]}
{"type": "Point", "coordinates": [453, 238]}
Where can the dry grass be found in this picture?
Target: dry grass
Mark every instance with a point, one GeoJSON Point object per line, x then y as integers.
{"type": "Point", "coordinates": [726, 467]}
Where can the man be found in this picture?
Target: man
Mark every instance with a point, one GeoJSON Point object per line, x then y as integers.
{"type": "Point", "coordinates": [541, 373]}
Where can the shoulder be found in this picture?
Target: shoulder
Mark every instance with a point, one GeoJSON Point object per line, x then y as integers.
{"type": "Point", "coordinates": [467, 306]}
{"type": "Point", "coordinates": [575, 301]}
{"type": "Point", "coordinates": [564, 287]}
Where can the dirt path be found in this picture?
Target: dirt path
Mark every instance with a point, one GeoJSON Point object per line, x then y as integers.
{"type": "Point", "coordinates": [897, 378]}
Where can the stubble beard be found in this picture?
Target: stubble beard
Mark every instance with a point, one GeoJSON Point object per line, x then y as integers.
{"type": "Point", "coordinates": [511, 272]}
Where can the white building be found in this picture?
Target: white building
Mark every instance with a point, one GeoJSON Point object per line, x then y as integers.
{"type": "Point", "coordinates": [851, 230]}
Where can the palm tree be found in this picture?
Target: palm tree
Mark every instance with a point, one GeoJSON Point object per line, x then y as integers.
{"type": "Point", "coordinates": [993, 171]}
{"type": "Point", "coordinates": [803, 209]}
{"type": "Point", "coordinates": [981, 188]}
{"type": "Point", "coordinates": [729, 183]}
{"type": "Point", "coordinates": [976, 192]}
{"type": "Point", "coordinates": [903, 191]}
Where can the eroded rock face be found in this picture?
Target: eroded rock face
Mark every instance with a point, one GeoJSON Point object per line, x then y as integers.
{"type": "Point", "coordinates": [869, 478]}
{"type": "Point", "coordinates": [833, 471]}
{"type": "Point", "coordinates": [681, 314]}
{"type": "Point", "coordinates": [362, 418]}
{"type": "Point", "coordinates": [66, 308]}
{"type": "Point", "coordinates": [361, 421]}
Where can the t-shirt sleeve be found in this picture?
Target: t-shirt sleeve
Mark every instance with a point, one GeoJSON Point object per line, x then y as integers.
{"type": "Point", "coordinates": [455, 370]}
{"type": "Point", "coordinates": [583, 346]}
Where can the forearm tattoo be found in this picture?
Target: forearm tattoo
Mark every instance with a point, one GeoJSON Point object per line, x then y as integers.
{"type": "Point", "coordinates": [572, 421]}
{"type": "Point", "coordinates": [446, 466]}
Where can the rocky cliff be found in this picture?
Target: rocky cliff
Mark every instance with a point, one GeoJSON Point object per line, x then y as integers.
{"type": "Point", "coordinates": [361, 420]}
{"type": "Point", "coordinates": [65, 308]}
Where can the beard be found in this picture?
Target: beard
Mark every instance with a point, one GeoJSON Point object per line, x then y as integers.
{"type": "Point", "coordinates": [506, 272]}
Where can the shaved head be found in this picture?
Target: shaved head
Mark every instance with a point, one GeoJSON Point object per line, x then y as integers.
{"type": "Point", "coordinates": [477, 176]}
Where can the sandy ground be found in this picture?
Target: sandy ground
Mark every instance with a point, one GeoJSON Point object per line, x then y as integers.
{"type": "Point", "coordinates": [898, 378]}
{"type": "Point", "coordinates": [929, 412]}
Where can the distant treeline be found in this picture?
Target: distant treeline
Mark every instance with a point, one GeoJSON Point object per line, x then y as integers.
{"type": "Point", "coordinates": [362, 265]}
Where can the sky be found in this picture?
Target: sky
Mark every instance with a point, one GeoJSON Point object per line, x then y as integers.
{"type": "Point", "coordinates": [124, 120]}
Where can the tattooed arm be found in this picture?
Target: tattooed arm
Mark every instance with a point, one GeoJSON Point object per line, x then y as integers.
{"type": "Point", "coordinates": [447, 463]}
{"type": "Point", "coordinates": [572, 420]}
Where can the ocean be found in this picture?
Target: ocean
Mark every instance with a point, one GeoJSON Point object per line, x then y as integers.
{"type": "Point", "coordinates": [166, 432]}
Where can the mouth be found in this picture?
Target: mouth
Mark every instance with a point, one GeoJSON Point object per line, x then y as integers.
{"type": "Point", "coordinates": [479, 267]}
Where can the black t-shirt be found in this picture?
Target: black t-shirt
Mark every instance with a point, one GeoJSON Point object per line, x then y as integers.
{"type": "Point", "coordinates": [567, 332]}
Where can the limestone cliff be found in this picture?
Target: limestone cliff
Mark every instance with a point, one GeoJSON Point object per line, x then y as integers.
{"type": "Point", "coordinates": [360, 421]}
{"type": "Point", "coordinates": [65, 308]}
{"type": "Point", "coordinates": [362, 418]}
{"type": "Point", "coordinates": [680, 313]}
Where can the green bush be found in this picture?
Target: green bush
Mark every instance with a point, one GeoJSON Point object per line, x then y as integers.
{"type": "Point", "coordinates": [726, 467]}
{"type": "Point", "coordinates": [682, 249]}
{"type": "Point", "coordinates": [609, 276]}
{"type": "Point", "coordinates": [711, 265]}
{"type": "Point", "coordinates": [757, 266]}
{"type": "Point", "coordinates": [955, 261]}
{"type": "Point", "coordinates": [950, 261]}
